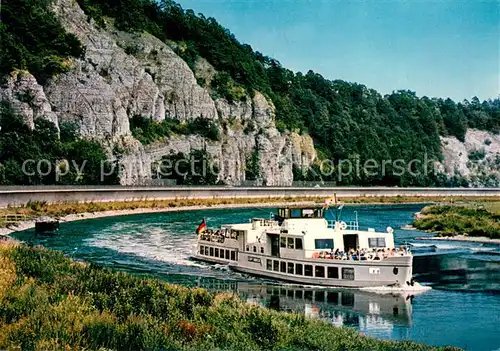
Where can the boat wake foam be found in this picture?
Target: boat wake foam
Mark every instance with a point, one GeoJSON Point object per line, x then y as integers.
{"type": "Point", "coordinates": [416, 288]}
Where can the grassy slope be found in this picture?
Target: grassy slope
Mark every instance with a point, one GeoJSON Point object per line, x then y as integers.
{"type": "Point", "coordinates": [472, 219]}
{"type": "Point", "coordinates": [50, 302]}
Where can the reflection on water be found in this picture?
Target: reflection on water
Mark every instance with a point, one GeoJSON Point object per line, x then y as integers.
{"type": "Point", "coordinates": [463, 266]}
{"type": "Point", "coordinates": [160, 245]}
{"type": "Point", "coordinates": [341, 307]}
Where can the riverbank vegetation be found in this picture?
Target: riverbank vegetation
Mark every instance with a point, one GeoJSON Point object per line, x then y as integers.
{"type": "Point", "coordinates": [35, 209]}
{"type": "Point", "coordinates": [472, 220]}
{"type": "Point", "coordinates": [49, 302]}
{"type": "Point", "coordinates": [44, 155]}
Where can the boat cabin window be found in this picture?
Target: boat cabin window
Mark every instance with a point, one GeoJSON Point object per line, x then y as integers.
{"type": "Point", "coordinates": [300, 212]}
{"type": "Point", "coordinates": [376, 242]}
{"type": "Point", "coordinates": [298, 269]}
{"type": "Point", "coordinates": [276, 266]}
{"type": "Point", "coordinates": [348, 273]}
{"type": "Point", "coordinates": [216, 252]}
{"type": "Point", "coordinates": [269, 265]}
{"type": "Point", "coordinates": [254, 248]}
{"type": "Point", "coordinates": [206, 250]}
{"type": "Point", "coordinates": [290, 243]}
{"type": "Point", "coordinates": [322, 244]}
{"type": "Point", "coordinates": [308, 270]}
{"type": "Point", "coordinates": [298, 244]}
{"type": "Point", "coordinates": [319, 271]}
{"type": "Point", "coordinates": [227, 254]}
{"type": "Point", "coordinates": [283, 242]}
{"type": "Point", "coordinates": [283, 267]}
{"type": "Point", "coordinates": [290, 267]}
{"type": "Point", "coordinates": [333, 272]}
{"type": "Point", "coordinates": [202, 250]}
{"type": "Point", "coordinates": [211, 251]}
{"type": "Point", "coordinates": [233, 255]}
{"type": "Point", "coordinates": [262, 250]}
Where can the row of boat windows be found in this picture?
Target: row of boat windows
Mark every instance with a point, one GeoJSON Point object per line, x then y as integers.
{"type": "Point", "coordinates": [321, 244]}
{"type": "Point", "coordinates": [219, 253]}
{"type": "Point", "coordinates": [255, 249]}
{"type": "Point", "coordinates": [309, 270]}
{"type": "Point", "coordinates": [291, 243]}
{"type": "Point", "coordinates": [331, 297]}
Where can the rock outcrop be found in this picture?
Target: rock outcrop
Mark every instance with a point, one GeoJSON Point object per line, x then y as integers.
{"type": "Point", "coordinates": [122, 75]}
{"type": "Point", "coordinates": [477, 159]}
{"type": "Point", "coordinates": [27, 97]}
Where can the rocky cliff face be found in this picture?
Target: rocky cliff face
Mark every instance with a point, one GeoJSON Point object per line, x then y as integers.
{"type": "Point", "coordinates": [123, 75]}
{"type": "Point", "coordinates": [477, 159]}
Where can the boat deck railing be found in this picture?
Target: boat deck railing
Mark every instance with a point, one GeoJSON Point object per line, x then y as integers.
{"type": "Point", "coordinates": [351, 225]}
{"type": "Point", "coordinates": [217, 236]}
{"type": "Point", "coordinates": [363, 255]}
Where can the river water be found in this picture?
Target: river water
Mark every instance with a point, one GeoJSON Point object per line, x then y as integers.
{"type": "Point", "coordinates": [462, 308]}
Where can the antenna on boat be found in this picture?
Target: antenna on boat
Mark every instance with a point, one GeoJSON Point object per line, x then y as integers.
{"type": "Point", "coordinates": [338, 209]}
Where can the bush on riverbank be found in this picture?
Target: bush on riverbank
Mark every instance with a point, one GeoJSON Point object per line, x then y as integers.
{"type": "Point", "coordinates": [454, 220]}
{"type": "Point", "coordinates": [49, 302]}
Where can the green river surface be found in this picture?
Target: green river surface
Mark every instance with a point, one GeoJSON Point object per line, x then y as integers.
{"type": "Point", "coordinates": [462, 309]}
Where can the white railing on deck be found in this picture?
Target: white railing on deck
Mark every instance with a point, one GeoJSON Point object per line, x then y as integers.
{"type": "Point", "coordinates": [351, 225]}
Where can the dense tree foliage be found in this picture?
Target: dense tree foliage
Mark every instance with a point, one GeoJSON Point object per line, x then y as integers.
{"type": "Point", "coordinates": [32, 38]}
{"type": "Point", "coordinates": [195, 168]}
{"type": "Point", "coordinates": [147, 131]}
{"type": "Point", "coordinates": [348, 121]}
{"type": "Point", "coordinates": [39, 156]}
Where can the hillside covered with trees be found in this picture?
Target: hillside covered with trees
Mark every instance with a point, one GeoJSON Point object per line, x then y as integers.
{"type": "Point", "coordinates": [346, 120]}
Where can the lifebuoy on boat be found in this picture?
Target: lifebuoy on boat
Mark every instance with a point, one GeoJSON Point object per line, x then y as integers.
{"type": "Point", "coordinates": [342, 225]}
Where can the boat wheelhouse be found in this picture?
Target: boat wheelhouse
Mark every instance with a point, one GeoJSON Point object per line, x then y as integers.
{"type": "Point", "coordinates": [299, 245]}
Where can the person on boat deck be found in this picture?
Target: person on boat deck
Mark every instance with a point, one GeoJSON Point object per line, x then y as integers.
{"type": "Point", "coordinates": [362, 255]}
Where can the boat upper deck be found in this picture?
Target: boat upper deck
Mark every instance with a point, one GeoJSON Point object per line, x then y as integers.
{"type": "Point", "coordinates": [305, 233]}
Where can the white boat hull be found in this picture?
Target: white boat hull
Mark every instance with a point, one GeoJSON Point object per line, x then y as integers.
{"type": "Point", "coordinates": [391, 271]}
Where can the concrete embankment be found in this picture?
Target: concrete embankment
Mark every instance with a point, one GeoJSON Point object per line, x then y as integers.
{"type": "Point", "coordinates": [16, 196]}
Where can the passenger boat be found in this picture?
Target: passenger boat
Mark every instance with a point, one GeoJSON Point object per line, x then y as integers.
{"type": "Point", "coordinates": [299, 245]}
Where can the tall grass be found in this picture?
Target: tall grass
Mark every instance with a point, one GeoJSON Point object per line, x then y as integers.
{"type": "Point", "coordinates": [453, 220]}
{"type": "Point", "coordinates": [53, 303]}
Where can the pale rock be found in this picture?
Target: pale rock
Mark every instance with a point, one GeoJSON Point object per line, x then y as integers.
{"type": "Point", "coordinates": [122, 75]}
{"type": "Point", "coordinates": [28, 98]}
{"type": "Point", "coordinates": [483, 172]}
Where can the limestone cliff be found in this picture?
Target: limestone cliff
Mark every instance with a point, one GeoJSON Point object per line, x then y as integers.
{"type": "Point", "coordinates": [122, 75]}
{"type": "Point", "coordinates": [477, 159]}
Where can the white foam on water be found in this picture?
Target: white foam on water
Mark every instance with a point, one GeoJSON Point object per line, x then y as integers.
{"type": "Point", "coordinates": [422, 245]}
{"type": "Point", "coordinates": [482, 249]}
{"type": "Point", "coordinates": [415, 289]}
{"type": "Point", "coordinates": [222, 267]}
{"type": "Point", "coordinates": [148, 241]}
